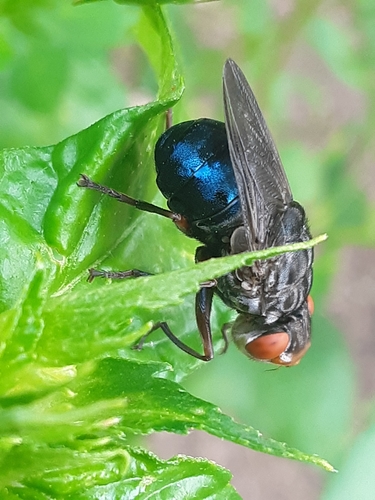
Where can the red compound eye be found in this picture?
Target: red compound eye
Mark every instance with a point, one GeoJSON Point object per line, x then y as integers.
{"type": "Point", "coordinates": [310, 305]}
{"type": "Point", "coordinates": [268, 347]}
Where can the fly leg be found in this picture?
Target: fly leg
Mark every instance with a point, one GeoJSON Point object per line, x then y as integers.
{"type": "Point", "coordinates": [86, 182]}
{"type": "Point", "coordinates": [203, 304]}
{"type": "Point", "coordinates": [202, 254]}
{"type": "Point", "coordinates": [117, 275]}
{"type": "Point", "coordinates": [203, 309]}
{"type": "Point", "coordinates": [225, 329]}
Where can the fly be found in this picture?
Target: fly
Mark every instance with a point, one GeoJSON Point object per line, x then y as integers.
{"type": "Point", "coordinates": [226, 187]}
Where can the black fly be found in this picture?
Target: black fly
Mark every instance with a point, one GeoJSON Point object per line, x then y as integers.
{"type": "Point", "coordinates": [225, 186]}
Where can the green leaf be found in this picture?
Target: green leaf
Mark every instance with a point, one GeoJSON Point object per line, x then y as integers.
{"type": "Point", "coordinates": [115, 397]}
{"type": "Point", "coordinates": [127, 474]}
{"type": "Point", "coordinates": [75, 432]}
{"type": "Point", "coordinates": [41, 202]}
{"type": "Point", "coordinates": [179, 477]}
{"type": "Point", "coordinates": [59, 470]}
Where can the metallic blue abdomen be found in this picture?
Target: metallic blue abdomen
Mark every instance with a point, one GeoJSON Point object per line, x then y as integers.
{"type": "Point", "coordinates": [195, 174]}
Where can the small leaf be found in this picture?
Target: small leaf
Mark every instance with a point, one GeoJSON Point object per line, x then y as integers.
{"type": "Point", "coordinates": [124, 473]}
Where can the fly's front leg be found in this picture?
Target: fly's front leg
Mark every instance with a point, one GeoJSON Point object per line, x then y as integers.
{"type": "Point", "coordinates": [203, 314]}
{"type": "Point", "coordinates": [203, 309]}
{"type": "Point", "coordinates": [203, 304]}
{"type": "Point", "coordinates": [202, 254]}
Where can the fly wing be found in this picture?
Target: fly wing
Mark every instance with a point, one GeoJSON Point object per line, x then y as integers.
{"type": "Point", "coordinates": [262, 184]}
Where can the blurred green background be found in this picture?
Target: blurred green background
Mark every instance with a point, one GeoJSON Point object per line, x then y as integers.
{"type": "Point", "coordinates": [311, 66]}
